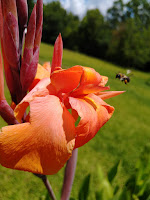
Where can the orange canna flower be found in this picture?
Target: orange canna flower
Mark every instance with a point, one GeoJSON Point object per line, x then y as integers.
{"type": "Point", "coordinates": [46, 140]}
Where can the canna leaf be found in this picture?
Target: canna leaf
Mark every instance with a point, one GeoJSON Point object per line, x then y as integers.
{"type": "Point", "coordinates": [84, 190]}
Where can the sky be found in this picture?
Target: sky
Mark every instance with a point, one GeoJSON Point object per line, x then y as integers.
{"type": "Point", "coordinates": [79, 7]}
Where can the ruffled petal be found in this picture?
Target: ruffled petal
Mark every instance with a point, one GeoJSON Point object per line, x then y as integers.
{"type": "Point", "coordinates": [38, 91]}
{"type": "Point", "coordinates": [90, 76]}
{"type": "Point", "coordinates": [94, 113]}
{"type": "Point", "coordinates": [43, 145]}
{"type": "Point", "coordinates": [103, 81]}
{"type": "Point", "coordinates": [89, 83]}
{"type": "Point", "coordinates": [66, 80]}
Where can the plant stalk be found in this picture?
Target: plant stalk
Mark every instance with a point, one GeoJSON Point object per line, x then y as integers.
{"type": "Point", "coordinates": [47, 185]}
{"type": "Point", "coordinates": [69, 175]}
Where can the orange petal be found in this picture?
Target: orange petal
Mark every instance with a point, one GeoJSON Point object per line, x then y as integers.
{"type": "Point", "coordinates": [94, 113]}
{"type": "Point", "coordinates": [43, 145]}
{"type": "Point", "coordinates": [109, 94]}
{"type": "Point", "coordinates": [88, 89]}
{"type": "Point", "coordinates": [89, 83]}
{"type": "Point", "coordinates": [90, 76]}
{"type": "Point", "coordinates": [42, 72]}
{"type": "Point", "coordinates": [47, 66]}
{"type": "Point", "coordinates": [103, 81]}
{"type": "Point", "coordinates": [38, 91]}
{"type": "Point", "coordinates": [66, 80]}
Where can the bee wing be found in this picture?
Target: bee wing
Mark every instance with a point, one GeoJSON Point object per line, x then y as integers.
{"type": "Point", "coordinates": [129, 71]}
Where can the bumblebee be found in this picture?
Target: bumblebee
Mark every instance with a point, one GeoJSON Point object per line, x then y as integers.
{"type": "Point", "coordinates": [123, 77]}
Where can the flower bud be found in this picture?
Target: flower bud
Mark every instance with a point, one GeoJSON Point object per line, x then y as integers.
{"type": "Point", "coordinates": [31, 49]}
{"type": "Point", "coordinates": [11, 33]}
{"type": "Point", "coordinates": [57, 54]}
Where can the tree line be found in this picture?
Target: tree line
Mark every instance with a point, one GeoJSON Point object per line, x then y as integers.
{"type": "Point", "coordinates": [122, 36]}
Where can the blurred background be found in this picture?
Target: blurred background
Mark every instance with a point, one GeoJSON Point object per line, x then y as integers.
{"type": "Point", "coordinates": [116, 31]}
{"type": "Point", "coordinates": [111, 37]}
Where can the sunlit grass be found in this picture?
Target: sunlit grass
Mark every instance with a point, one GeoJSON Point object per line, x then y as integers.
{"type": "Point", "coordinates": [122, 138]}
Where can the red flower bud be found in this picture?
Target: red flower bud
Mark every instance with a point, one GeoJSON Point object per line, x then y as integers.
{"type": "Point", "coordinates": [11, 33]}
{"type": "Point", "coordinates": [22, 9]}
{"type": "Point", "coordinates": [57, 54]}
{"type": "Point", "coordinates": [39, 23]}
{"type": "Point", "coordinates": [1, 20]}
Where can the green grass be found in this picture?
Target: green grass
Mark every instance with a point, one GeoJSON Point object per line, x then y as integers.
{"type": "Point", "coordinates": [122, 138]}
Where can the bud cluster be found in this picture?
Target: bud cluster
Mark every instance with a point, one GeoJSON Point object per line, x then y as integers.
{"type": "Point", "coordinates": [20, 64]}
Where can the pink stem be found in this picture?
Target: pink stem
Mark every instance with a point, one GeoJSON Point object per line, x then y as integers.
{"type": "Point", "coordinates": [47, 185]}
{"type": "Point", "coordinates": [69, 175]}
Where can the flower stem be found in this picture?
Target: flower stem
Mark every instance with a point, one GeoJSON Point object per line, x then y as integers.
{"type": "Point", "coordinates": [47, 185]}
{"type": "Point", "coordinates": [69, 176]}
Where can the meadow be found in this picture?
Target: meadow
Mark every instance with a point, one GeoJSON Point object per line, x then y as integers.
{"type": "Point", "coordinates": [123, 137]}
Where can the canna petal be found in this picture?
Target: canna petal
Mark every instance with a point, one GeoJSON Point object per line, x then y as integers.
{"type": "Point", "coordinates": [103, 81]}
{"type": "Point", "coordinates": [45, 144]}
{"type": "Point", "coordinates": [42, 72]}
{"type": "Point", "coordinates": [109, 94]}
{"type": "Point", "coordinates": [40, 90]}
{"type": "Point", "coordinates": [90, 83]}
{"type": "Point", "coordinates": [66, 80]}
{"type": "Point", "coordinates": [94, 113]}
{"type": "Point", "coordinates": [88, 89]}
{"type": "Point", "coordinates": [90, 76]}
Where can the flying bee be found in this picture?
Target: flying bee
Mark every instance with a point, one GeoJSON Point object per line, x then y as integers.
{"type": "Point", "coordinates": [124, 77]}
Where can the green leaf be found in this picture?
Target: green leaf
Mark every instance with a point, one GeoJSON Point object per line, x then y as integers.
{"type": "Point", "coordinates": [99, 195]}
{"type": "Point", "coordinates": [113, 171]}
{"type": "Point", "coordinates": [125, 195]}
{"type": "Point", "coordinates": [148, 198]}
{"type": "Point", "coordinates": [84, 190]}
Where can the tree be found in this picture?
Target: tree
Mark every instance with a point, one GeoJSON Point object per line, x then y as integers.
{"type": "Point", "coordinates": [116, 14]}
{"type": "Point", "coordinates": [93, 34]}
{"type": "Point", "coordinates": [54, 21]}
{"type": "Point", "coordinates": [30, 7]}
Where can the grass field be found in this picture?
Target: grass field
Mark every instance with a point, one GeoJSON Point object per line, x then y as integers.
{"type": "Point", "coordinates": [122, 138]}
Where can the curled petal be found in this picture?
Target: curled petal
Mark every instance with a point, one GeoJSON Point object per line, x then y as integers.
{"type": "Point", "coordinates": [90, 83]}
{"type": "Point", "coordinates": [39, 90]}
{"type": "Point", "coordinates": [43, 145]}
{"type": "Point", "coordinates": [109, 94]}
{"type": "Point", "coordinates": [94, 113]}
{"type": "Point", "coordinates": [103, 81]}
{"type": "Point", "coordinates": [88, 89]}
{"type": "Point", "coordinates": [66, 80]}
{"type": "Point", "coordinates": [90, 76]}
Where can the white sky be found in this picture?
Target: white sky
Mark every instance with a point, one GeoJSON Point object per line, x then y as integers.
{"type": "Point", "coordinates": [79, 7]}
